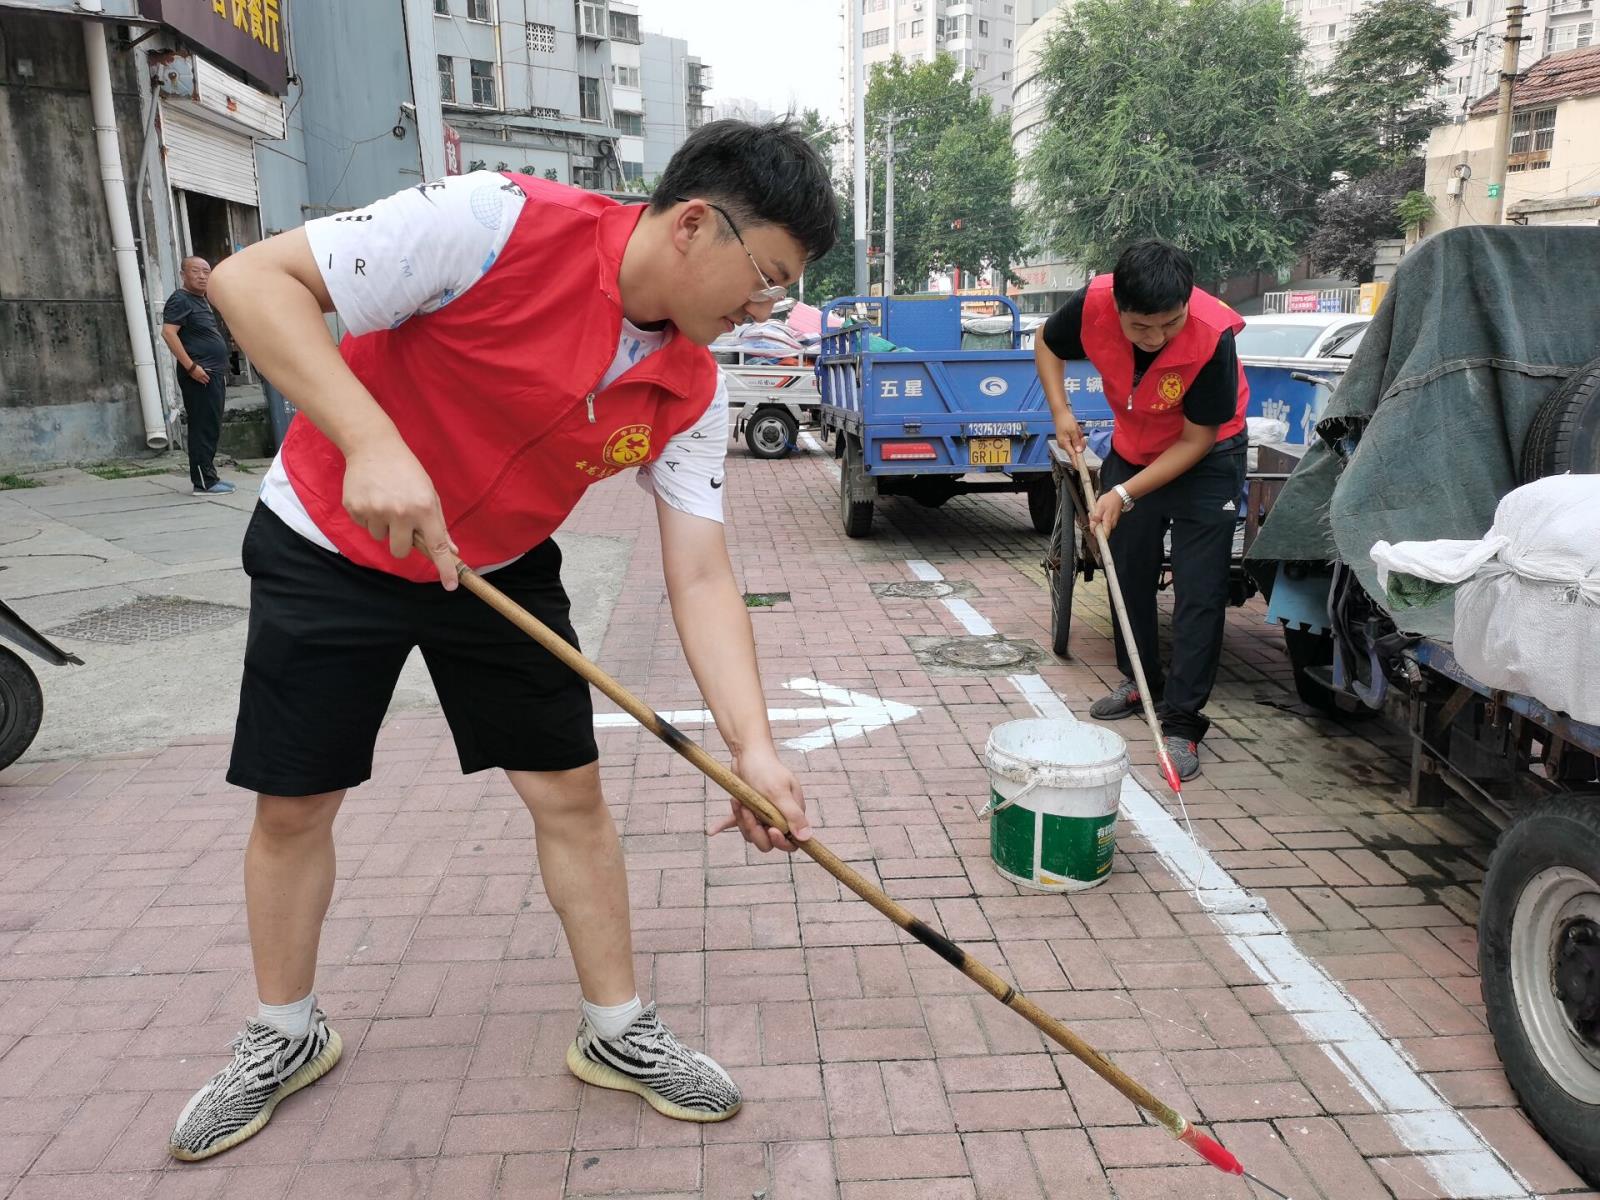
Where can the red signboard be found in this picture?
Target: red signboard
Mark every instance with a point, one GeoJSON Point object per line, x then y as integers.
{"type": "Point", "coordinates": [452, 151]}
{"type": "Point", "coordinates": [245, 34]}
{"type": "Point", "coordinates": [1302, 302]}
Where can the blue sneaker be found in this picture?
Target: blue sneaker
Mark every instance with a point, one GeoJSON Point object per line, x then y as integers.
{"type": "Point", "coordinates": [220, 488]}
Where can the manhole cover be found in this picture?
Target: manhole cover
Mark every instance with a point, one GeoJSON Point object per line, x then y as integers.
{"type": "Point", "coordinates": [973, 655]}
{"type": "Point", "coordinates": [917, 590]}
{"type": "Point", "coordinates": [149, 619]}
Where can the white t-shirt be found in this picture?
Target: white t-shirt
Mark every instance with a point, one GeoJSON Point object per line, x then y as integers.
{"type": "Point", "coordinates": [418, 250]}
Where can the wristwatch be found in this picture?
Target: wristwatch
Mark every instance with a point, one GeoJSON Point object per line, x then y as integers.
{"type": "Point", "coordinates": [1127, 497]}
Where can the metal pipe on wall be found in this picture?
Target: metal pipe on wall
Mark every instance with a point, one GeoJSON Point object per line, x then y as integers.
{"type": "Point", "coordinates": [108, 145]}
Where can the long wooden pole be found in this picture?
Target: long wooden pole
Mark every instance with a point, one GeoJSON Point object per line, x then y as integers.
{"type": "Point", "coordinates": [1056, 1031]}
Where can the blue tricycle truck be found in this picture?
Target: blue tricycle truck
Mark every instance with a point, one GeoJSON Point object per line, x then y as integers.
{"type": "Point", "coordinates": [915, 415]}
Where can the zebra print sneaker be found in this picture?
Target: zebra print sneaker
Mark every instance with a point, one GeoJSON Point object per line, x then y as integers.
{"type": "Point", "coordinates": [646, 1058]}
{"type": "Point", "coordinates": [267, 1066]}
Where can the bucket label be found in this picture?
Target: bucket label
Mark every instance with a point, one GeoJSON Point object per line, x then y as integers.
{"type": "Point", "coordinates": [1011, 838]}
{"type": "Point", "coordinates": [1037, 845]}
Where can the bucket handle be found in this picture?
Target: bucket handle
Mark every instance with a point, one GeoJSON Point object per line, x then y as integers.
{"type": "Point", "coordinates": [989, 809]}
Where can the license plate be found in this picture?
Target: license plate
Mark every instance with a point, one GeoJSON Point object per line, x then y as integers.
{"type": "Point", "coordinates": [988, 452]}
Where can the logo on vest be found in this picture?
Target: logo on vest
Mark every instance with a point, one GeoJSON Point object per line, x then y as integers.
{"type": "Point", "coordinates": [1169, 390]}
{"type": "Point", "coordinates": [628, 446]}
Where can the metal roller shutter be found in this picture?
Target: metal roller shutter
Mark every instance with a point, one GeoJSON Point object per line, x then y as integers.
{"type": "Point", "coordinates": [202, 157]}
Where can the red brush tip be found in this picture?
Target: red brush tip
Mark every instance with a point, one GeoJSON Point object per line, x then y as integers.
{"type": "Point", "coordinates": [1212, 1151]}
{"type": "Point", "coordinates": [1171, 772]}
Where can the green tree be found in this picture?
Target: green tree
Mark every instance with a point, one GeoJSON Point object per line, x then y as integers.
{"type": "Point", "coordinates": [834, 274]}
{"type": "Point", "coordinates": [1380, 89]}
{"type": "Point", "coordinates": [1190, 121]}
{"type": "Point", "coordinates": [1352, 217]}
{"type": "Point", "coordinates": [954, 172]}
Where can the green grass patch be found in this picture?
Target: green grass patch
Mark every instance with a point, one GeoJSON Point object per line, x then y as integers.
{"type": "Point", "coordinates": [123, 471]}
{"type": "Point", "coordinates": [13, 482]}
{"type": "Point", "coordinates": [764, 599]}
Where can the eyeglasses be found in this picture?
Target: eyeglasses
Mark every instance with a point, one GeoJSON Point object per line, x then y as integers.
{"type": "Point", "coordinates": [768, 292]}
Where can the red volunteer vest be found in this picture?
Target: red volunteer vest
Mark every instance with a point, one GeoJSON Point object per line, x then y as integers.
{"type": "Point", "coordinates": [1149, 418]}
{"type": "Point", "coordinates": [498, 392]}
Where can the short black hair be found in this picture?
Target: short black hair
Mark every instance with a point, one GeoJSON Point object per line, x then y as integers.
{"type": "Point", "coordinates": [764, 174]}
{"type": "Point", "coordinates": [1151, 277]}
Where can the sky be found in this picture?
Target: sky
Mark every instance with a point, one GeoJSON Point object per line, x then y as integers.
{"type": "Point", "coordinates": [779, 55]}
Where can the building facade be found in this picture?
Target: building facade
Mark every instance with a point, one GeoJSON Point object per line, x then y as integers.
{"type": "Point", "coordinates": [979, 34]}
{"type": "Point", "coordinates": [674, 84]}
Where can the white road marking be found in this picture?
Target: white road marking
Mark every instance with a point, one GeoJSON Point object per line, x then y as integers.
{"type": "Point", "coordinates": [1461, 1162]}
{"type": "Point", "coordinates": [853, 715]}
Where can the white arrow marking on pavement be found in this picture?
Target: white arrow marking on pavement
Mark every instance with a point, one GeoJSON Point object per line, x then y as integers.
{"type": "Point", "coordinates": [856, 715]}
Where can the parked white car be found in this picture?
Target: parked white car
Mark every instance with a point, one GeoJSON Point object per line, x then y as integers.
{"type": "Point", "coordinates": [1298, 335]}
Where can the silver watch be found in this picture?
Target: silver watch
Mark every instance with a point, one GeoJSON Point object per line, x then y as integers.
{"type": "Point", "coordinates": [1127, 498]}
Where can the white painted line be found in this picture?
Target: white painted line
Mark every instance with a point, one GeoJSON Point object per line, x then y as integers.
{"type": "Point", "coordinates": [854, 715]}
{"type": "Point", "coordinates": [1461, 1162]}
{"type": "Point", "coordinates": [807, 442]}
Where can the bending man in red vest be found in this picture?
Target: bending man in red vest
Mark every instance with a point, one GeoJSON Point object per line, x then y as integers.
{"type": "Point", "coordinates": [1165, 352]}
{"type": "Point", "coordinates": [512, 341]}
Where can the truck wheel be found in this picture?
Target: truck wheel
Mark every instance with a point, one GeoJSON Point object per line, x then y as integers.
{"type": "Point", "coordinates": [21, 707]}
{"type": "Point", "coordinates": [771, 433]}
{"type": "Point", "coordinates": [1539, 956]}
{"type": "Point", "coordinates": [1565, 434]}
{"type": "Point", "coordinates": [856, 492]}
{"type": "Point", "coordinates": [1042, 503]}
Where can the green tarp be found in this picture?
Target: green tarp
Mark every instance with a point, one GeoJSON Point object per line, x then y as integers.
{"type": "Point", "coordinates": [1425, 432]}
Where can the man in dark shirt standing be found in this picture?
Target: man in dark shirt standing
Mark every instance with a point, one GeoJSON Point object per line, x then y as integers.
{"type": "Point", "coordinates": [189, 327]}
{"type": "Point", "coordinates": [1165, 353]}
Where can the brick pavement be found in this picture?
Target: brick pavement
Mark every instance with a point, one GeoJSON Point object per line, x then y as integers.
{"type": "Point", "coordinates": [872, 1071]}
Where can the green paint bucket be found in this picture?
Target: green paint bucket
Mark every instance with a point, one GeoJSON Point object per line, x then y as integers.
{"type": "Point", "coordinates": [1052, 805]}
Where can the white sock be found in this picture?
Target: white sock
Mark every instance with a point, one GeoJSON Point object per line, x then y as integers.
{"type": "Point", "coordinates": [292, 1019]}
{"type": "Point", "coordinates": [610, 1022]}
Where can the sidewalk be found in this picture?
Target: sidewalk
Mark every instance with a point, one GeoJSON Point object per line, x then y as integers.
{"type": "Point", "coordinates": [871, 1069]}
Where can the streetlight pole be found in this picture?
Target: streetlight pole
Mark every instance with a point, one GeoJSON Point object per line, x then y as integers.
{"type": "Point", "coordinates": [1502, 116]}
{"type": "Point", "coordinates": [888, 210]}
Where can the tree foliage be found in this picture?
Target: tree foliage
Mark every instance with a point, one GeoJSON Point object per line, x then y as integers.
{"type": "Point", "coordinates": [1353, 216]}
{"type": "Point", "coordinates": [1189, 120]}
{"type": "Point", "coordinates": [834, 274]}
{"type": "Point", "coordinates": [1380, 89]}
{"type": "Point", "coordinates": [954, 168]}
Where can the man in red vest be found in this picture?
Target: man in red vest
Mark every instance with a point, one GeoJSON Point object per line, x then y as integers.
{"type": "Point", "coordinates": [511, 342]}
{"type": "Point", "coordinates": [1165, 353]}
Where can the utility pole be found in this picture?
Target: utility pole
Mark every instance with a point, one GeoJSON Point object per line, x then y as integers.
{"type": "Point", "coordinates": [858, 75]}
{"type": "Point", "coordinates": [1502, 116]}
{"type": "Point", "coordinates": [888, 210]}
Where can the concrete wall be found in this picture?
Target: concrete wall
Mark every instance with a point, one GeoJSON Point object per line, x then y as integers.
{"type": "Point", "coordinates": [662, 75]}
{"type": "Point", "coordinates": [66, 377]}
{"type": "Point", "coordinates": [1574, 157]}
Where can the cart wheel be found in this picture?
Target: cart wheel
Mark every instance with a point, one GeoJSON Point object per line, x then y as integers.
{"type": "Point", "coordinates": [1042, 503]}
{"type": "Point", "coordinates": [1064, 553]}
{"type": "Point", "coordinates": [21, 707]}
{"type": "Point", "coordinates": [1312, 653]}
{"type": "Point", "coordinates": [1539, 956]}
{"type": "Point", "coordinates": [771, 433]}
{"type": "Point", "coordinates": [855, 491]}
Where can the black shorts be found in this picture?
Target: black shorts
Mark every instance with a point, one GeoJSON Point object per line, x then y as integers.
{"type": "Point", "coordinates": [326, 644]}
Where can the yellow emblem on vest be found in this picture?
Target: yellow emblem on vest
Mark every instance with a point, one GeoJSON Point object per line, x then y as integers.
{"type": "Point", "coordinates": [628, 446]}
{"type": "Point", "coordinates": [1170, 388]}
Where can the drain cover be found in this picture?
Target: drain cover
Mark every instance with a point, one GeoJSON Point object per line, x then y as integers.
{"type": "Point", "coordinates": [973, 655]}
{"type": "Point", "coordinates": [917, 590]}
{"type": "Point", "coordinates": [149, 619]}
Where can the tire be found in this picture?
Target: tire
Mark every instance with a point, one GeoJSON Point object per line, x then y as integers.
{"type": "Point", "coordinates": [771, 433]}
{"type": "Point", "coordinates": [1565, 434]}
{"type": "Point", "coordinates": [1042, 503]}
{"type": "Point", "coordinates": [21, 707]}
{"type": "Point", "coordinates": [1307, 649]}
{"type": "Point", "coordinates": [1062, 581]}
{"type": "Point", "coordinates": [1543, 882]}
{"type": "Point", "coordinates": [855, 496]}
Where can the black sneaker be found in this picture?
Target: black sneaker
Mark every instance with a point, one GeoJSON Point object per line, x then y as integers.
{"type": "Point", "coordinates": [647, 1059]}
{"type": "Point", "coordinates": [1185, 755]}
{"type": "Point", "coordinates": [1123, 702]}
{"type": "Point", "coordinates": [267, 1066]}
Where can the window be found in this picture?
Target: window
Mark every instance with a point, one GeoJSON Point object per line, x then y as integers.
{"type": "Point", "coordinates": [442, 7]}
{"type": "Point", "coordinates": [589, 98]}
{"type": "Point", "coordinates": [478, 10]}
{"type": "Point", "coordinates": [1568, 37]}
{"type": "Point", "coordinates": [447, 79]}
{"type": "Point", "coordinates": [1006, 42]}
{"type": "Point", "coordinates": [484, 94]}
{"type": "Point", "coordinates": [591, 19]}
{"type": "Point", "coordinates": [542, 38]}
{"type": "Point", "coordinates": [625, 27]}
{"type": "Point", "coordinates": [625, 76]}
{"type": "Point", "coordinates": [631, 124]}
{"type": "Point", "coordinates": [983, 29]}
{"type": "Point", "coordinates": [916, 28]}
{"type": "Point", "coordinates": [632, 170]}
{"type": "Point", "coordinates": [875, 37]}
{"type": "Point", "coordinates": [1533, 132]}
{"type": "Point", "coordinates": [902, 30]}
